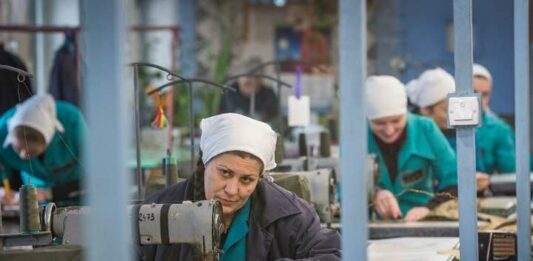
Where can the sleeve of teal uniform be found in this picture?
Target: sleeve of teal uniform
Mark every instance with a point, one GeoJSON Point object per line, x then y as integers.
{"type": "Point", "coordinates": [5, 171]}
{"type": "Point", "coordinates": [505, 149]}
{"type": "Point", "coordinates": [444, 166]}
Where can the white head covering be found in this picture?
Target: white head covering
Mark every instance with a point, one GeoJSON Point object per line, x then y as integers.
{"type": "Point", "coordinates": [385, 96]}
{"type": "Point", "coordinates": [235, 132]}
{"type": "Point", "coordinates": [39, 113]}
{"type": "Point", "coordinates": [480, 70]}
{"type": "Point", "coordinates": [431, 87]}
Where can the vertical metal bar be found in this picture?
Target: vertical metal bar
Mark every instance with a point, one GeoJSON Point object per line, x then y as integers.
{"type": "Point", "coordinates": [40, 86]}
{"type": "Point", "coordinates": [462, 18]}
{"type": "Point", "coordinates": [353, 128]}
{"type": "Point", "coordinates": [252, 101]}
{"type": "Point", "coordinates": [191, 125]}
{"type": "Point", "coordinates": [187, 19]}
{"type": "Point", "coordinates": [107, 228]}
{"type": "Point", "coordinates": [521, 69]}
{"type": "Point", "coordinates": [277, 71]}
{"type": "Point", "coordinates": [139, 172]}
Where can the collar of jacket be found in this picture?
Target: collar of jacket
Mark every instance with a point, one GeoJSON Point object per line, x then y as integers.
{"type": "Point", "coordinates": [414, 145]}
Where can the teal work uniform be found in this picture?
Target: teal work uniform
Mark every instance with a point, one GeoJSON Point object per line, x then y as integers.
{"type": "Point", "coordinates": [60, 162]}
{"type": "Point", "coordinates": [426, 164]}
{"type": "Point", "coordinates": [234, 247]}
{"type": "Point", "coordinates": [495, 140]}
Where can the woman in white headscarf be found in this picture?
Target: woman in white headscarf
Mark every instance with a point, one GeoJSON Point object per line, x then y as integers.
{"type": "Point", "coordinates": [412, 153]}
{"type": "Point", "coordinates": [429, 92]}
{"type": "Point", "coordinates": [43, 139]}
{"type": "Point", "coordinates": [263, 221]}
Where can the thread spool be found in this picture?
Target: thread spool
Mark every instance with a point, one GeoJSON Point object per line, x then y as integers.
{"type": "Point", "coordinates": [30, 221]}
{"type": "Point", "coordinates": [170, 170]}
{"type": "Point", "coordinates": [302, 144]}
{"type": "Point", "coordinates": [325, 141]}
{"type": "Point", "coordinates": [280, 151]}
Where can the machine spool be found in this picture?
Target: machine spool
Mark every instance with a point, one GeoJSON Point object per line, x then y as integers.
{"type": "Point", "coordinates": [30, 221]}
{"type": "Point", "coordinates": [280, 152]}
{"type": "Point", "coordinates": [170, 170]}
{"type": "Point", "coordinates": [325, 151]}
{"type": "Point", "coordinates": [302, 144]}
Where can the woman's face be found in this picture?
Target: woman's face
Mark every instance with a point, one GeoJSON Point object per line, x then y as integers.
{"type": "Point", "coordinates": [390, 128]}
{"type": "Point", "coordinates": [439, 114]}
{"type": "Point", "coordinates": [28, 149]}
{"type": "Point", "coordinates": [231, 179]}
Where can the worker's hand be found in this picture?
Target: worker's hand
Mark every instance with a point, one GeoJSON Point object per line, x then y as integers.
{"type": "Point", "coordinates": [482, 180]}
{"type": "Point", "coordinates": [386, 205]}
{"type": "Point", "coordinates": [416, 214]}
{"type": "Point", "coordinates": [9, 200]}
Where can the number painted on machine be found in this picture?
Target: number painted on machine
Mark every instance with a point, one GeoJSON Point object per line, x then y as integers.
{"type": "Point", "coordinates": [146, 217]}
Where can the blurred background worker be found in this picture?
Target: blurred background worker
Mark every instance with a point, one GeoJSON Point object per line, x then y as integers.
{"type": "Point", "coordinates": [42, 139]}
{"type": "Point", "coordinates": [252, 96]}
{"type": "Point", "coordinates": [417, 166]}
{"type": "Point", "coordinates": [429, 92]}
{"type": "Point", "coordinates": [494, 137]}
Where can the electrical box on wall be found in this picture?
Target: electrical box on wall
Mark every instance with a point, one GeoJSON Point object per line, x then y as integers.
{"type": "Point", "coordinates": [464, 111]}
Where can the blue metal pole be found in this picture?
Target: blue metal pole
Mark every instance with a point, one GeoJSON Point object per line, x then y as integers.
{"type": "Point", "coordinates": [107, 228]}
{"type": "Point", "coordinates": [187, 15]}
{"type": "Point", "coordinates": [521, 69]}
{"type": "Point", "coordinates": [466, 143]}
{"type": "Point", "coordinates": [353, 128]}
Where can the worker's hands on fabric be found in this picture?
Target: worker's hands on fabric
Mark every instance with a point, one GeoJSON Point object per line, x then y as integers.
{"type": "Point", "coordinates": [416, 214]}
{"type": "Point", "coordinates": [482, 180]}
{"type": "Point", "coordinates": [386, 205]}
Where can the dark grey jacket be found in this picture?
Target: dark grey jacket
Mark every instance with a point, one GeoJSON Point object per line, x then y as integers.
{"type": "Point", "coordinates": [282, 227]}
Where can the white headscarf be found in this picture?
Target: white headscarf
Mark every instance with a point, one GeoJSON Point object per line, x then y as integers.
{"type": "Point", "coordinates": [385, 96]}
{"type": "Point", "coordinates": [431, 87]}
{"type": "Point", "coordinates": [39, 113]}
{"type": "Point", "coordinates": [480, 70]}
{"type": "Point", "coordinates": [235, 132]}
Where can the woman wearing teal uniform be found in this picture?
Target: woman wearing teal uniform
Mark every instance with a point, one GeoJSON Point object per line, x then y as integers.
{"type": "Point", "coordinates": [429, 92]}
{"type": "Point", "coordinates": [43, 139]}
{"type": "Point", "coordinates": [417, 166]}
{"type": "Point", "coordinates": [494, 137]}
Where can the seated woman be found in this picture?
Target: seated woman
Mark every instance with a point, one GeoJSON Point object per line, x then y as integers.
{"type": "Point", "coordinates": [43, 139]}
{"type": "Point", "coordinates": [417, 166]}
{"type": "Point", "coordinates": [429, 93]}
{"type": "Point", "coordinates": [263, 221]}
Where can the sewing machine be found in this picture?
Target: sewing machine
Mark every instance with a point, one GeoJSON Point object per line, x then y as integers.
{"type": "Point", "coordinates": [196, 223]}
